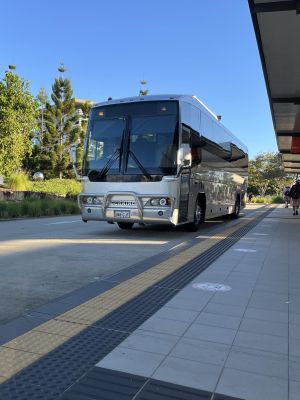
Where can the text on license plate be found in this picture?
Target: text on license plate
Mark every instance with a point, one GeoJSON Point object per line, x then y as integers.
{"type": "Point", "coordinates": [122, 214]}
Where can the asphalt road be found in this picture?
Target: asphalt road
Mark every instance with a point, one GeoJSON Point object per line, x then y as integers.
{"type": "Point", "coordinates": [42, 259]}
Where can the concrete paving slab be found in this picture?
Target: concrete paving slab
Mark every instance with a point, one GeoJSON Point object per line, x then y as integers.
{"type": "Point", "coordinates": [188, 373]}
{"type": "Point", "coordinates": [201, 350]}
{"type": "Point", "coordinates": [160, 325]}
{"type": "Point", "coordinates": [275, 344]}
{"type": "Point", "coordinates": [211, 333]}
{"type": "Point", "coordinates": [187, 304]}
{"type": "Point", "coordinates": [132, 361]}
{"type": "Point", "coordinates": [294, 346]}
{"type": "Point", "coordinates": [177, 314]}
{"type": "Point", "coordinates": [153, 342]}
{"type": "Point", "coordinates": [246, 385]}
{"type": "Point", "coordinates": [230, 299]}
{"type": "Point", "coordinates": [224, 309]}
{"type": "Point", "coordinates": [294, 368]}
{"type": "Point", "coordinates": [294, 331]}
{"type": "Point", "coordinates": [294, 390]}
{"type": "Point", "coordinates": [223, 321]}
{"type": "Point", "coordinates": [294, 318]}
{"type": "Point", "coordinates": [258, 362]}
{"type": "Point", "coordinates": [265, 327]}
{"type": "Point", "coordinates": [267, 315]}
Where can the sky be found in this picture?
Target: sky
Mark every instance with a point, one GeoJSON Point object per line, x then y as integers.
{"type": "Point", "coordinates": [201, 47]}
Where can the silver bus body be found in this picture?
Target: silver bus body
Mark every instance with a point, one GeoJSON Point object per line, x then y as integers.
{"type": "Point", "coordinates": [204, 165]}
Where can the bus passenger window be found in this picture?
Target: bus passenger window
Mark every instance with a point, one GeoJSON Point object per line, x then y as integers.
{"type": "Point", "coordinates": [196, 145]}
{"type": "Point", "coordinates": [185, 135]}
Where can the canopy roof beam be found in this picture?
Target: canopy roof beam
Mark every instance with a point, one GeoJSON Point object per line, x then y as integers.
{"type": "Point", "coordinates": [277, 6]}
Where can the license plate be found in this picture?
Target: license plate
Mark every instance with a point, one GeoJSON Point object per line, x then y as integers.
{"type": "Point", "coordinates": [122, 214]}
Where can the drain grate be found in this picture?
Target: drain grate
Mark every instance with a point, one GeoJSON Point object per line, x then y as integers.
{"type": "Point", "coordinates": [53, 374]}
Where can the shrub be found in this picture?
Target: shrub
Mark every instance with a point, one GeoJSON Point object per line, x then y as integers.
{"type": "Point", "coordinates": [19, 181]}
{"type": "Point", "coordinates": [37, 208]}
{"type": "Point", "coordinates": [277, 200]}
{"type": "Point", "coordinates": [260, 200]}
{"type": "Point", "coordinates": [58, 187]}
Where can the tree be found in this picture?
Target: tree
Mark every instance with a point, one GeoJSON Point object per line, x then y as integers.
{"type": "Point", "coordinates": [18, 114]}
{"type": "Point", "coordinates": [42, 99]}
{"type": "Point", "coordinates": [266, 172]}
{"type": "Point", "coordinates": [85, 112]}
{"type": "Point", "coordinates": [62, 129]}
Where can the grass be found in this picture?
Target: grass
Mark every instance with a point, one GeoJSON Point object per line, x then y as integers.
{"type": "Point", "coordinates": [19, 181]}
{"type": "Point", "coordinates": [37, 208]}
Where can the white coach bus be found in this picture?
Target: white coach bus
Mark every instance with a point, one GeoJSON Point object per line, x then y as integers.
{"type": "Point", "coordinates": [162, 159]}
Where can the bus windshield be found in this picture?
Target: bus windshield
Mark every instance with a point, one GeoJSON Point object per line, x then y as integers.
{"type": "Point", "coordinates": [132, 139]}
{"type": "Point", "coordinates": [152, 143]}
{"type": "Point", "coordinates": [105, 138]}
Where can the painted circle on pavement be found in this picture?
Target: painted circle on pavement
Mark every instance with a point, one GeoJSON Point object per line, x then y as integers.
{"type": "Point", "coordinates": [212, 287]}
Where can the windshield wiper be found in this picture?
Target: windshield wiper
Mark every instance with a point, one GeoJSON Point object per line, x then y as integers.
{"type": "Point", "coordinates": [97, 175]}
{"type": "Point", "coordinates": [141, 167]}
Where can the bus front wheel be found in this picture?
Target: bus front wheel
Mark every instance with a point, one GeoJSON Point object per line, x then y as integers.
{"type": "Point", "coordinates": [199, 217]}
{"type": "Point", "coordinates": [125, 225]}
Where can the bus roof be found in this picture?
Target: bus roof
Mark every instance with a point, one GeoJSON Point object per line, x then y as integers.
{"type": "Point", "coordinates": [163, 97]}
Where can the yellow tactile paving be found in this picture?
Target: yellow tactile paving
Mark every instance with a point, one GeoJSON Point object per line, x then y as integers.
{"type": "Point", "coordinates": [55, 332]}
{"type": "Point", "coordinates": [36, 342]}
{"type": "Point", "coordinates": [83, 313]}
{"type": "Point", "coordinates": [62, 328]}
{"type": "Point", "coordinates": [12, 361]}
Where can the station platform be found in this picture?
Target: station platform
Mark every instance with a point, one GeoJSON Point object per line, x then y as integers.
{"type": "Point", "coordinates": [216, 318]}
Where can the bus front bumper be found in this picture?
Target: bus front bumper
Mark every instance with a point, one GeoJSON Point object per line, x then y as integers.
{"type": "Point", "coordinates": [148, 215]}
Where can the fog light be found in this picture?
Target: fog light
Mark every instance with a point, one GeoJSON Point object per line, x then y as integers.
{"type": "Point", "coordinates": [154, 202]}
{"type": "Point", "coordinates": [160, 213]}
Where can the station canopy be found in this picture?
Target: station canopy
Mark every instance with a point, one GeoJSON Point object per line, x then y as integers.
{"type": "Point", "coordinates": [277, 28]}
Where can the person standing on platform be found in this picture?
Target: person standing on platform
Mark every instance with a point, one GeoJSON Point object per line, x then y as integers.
{"type": "Point", "coordinates": [295, 196]}
{"type": "Point", "coordinates": [286, 196]}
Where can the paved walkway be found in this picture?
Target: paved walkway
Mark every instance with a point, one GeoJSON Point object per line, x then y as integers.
{"type": "Point", "coordinates": [231, 333]}
{"type": "Point", "coordinates": [242, 342]}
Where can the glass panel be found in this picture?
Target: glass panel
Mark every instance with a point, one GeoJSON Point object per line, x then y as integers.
{"type": "Point", "coordinates": [105, 138]}
{"type": "Point", "coordinates": [153, 141]}
{"type": "Point", "coordinates": [151, 129]}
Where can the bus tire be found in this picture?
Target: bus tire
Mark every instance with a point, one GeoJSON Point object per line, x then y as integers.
{"type": "Point", "coordinates": [237, 209]}
{"type": "Point", "coordinates": [125, 225]}
{"type": "Point", "coordinates": [199, 216]}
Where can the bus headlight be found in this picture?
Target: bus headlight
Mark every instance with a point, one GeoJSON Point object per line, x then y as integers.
{"type": "Point", "coordinates": [92, 200]}
{"type": "Point", "coordinates": [158, 202]}
{"type": "Point", "coordinates": [97, 201]}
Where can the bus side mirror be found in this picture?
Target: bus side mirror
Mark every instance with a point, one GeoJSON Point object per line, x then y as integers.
{"type": "Point", "coordinates": [184, 157]}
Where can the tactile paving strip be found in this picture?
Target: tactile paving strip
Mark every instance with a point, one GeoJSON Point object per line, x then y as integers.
{"type": "Point", "coordinates": [104, 384]}
{"type": "Point", "coordinates": [59, 369]}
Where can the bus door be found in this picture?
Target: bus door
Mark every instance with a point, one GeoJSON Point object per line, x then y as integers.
{"type": "Point", "coordinates": [185, 178]}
